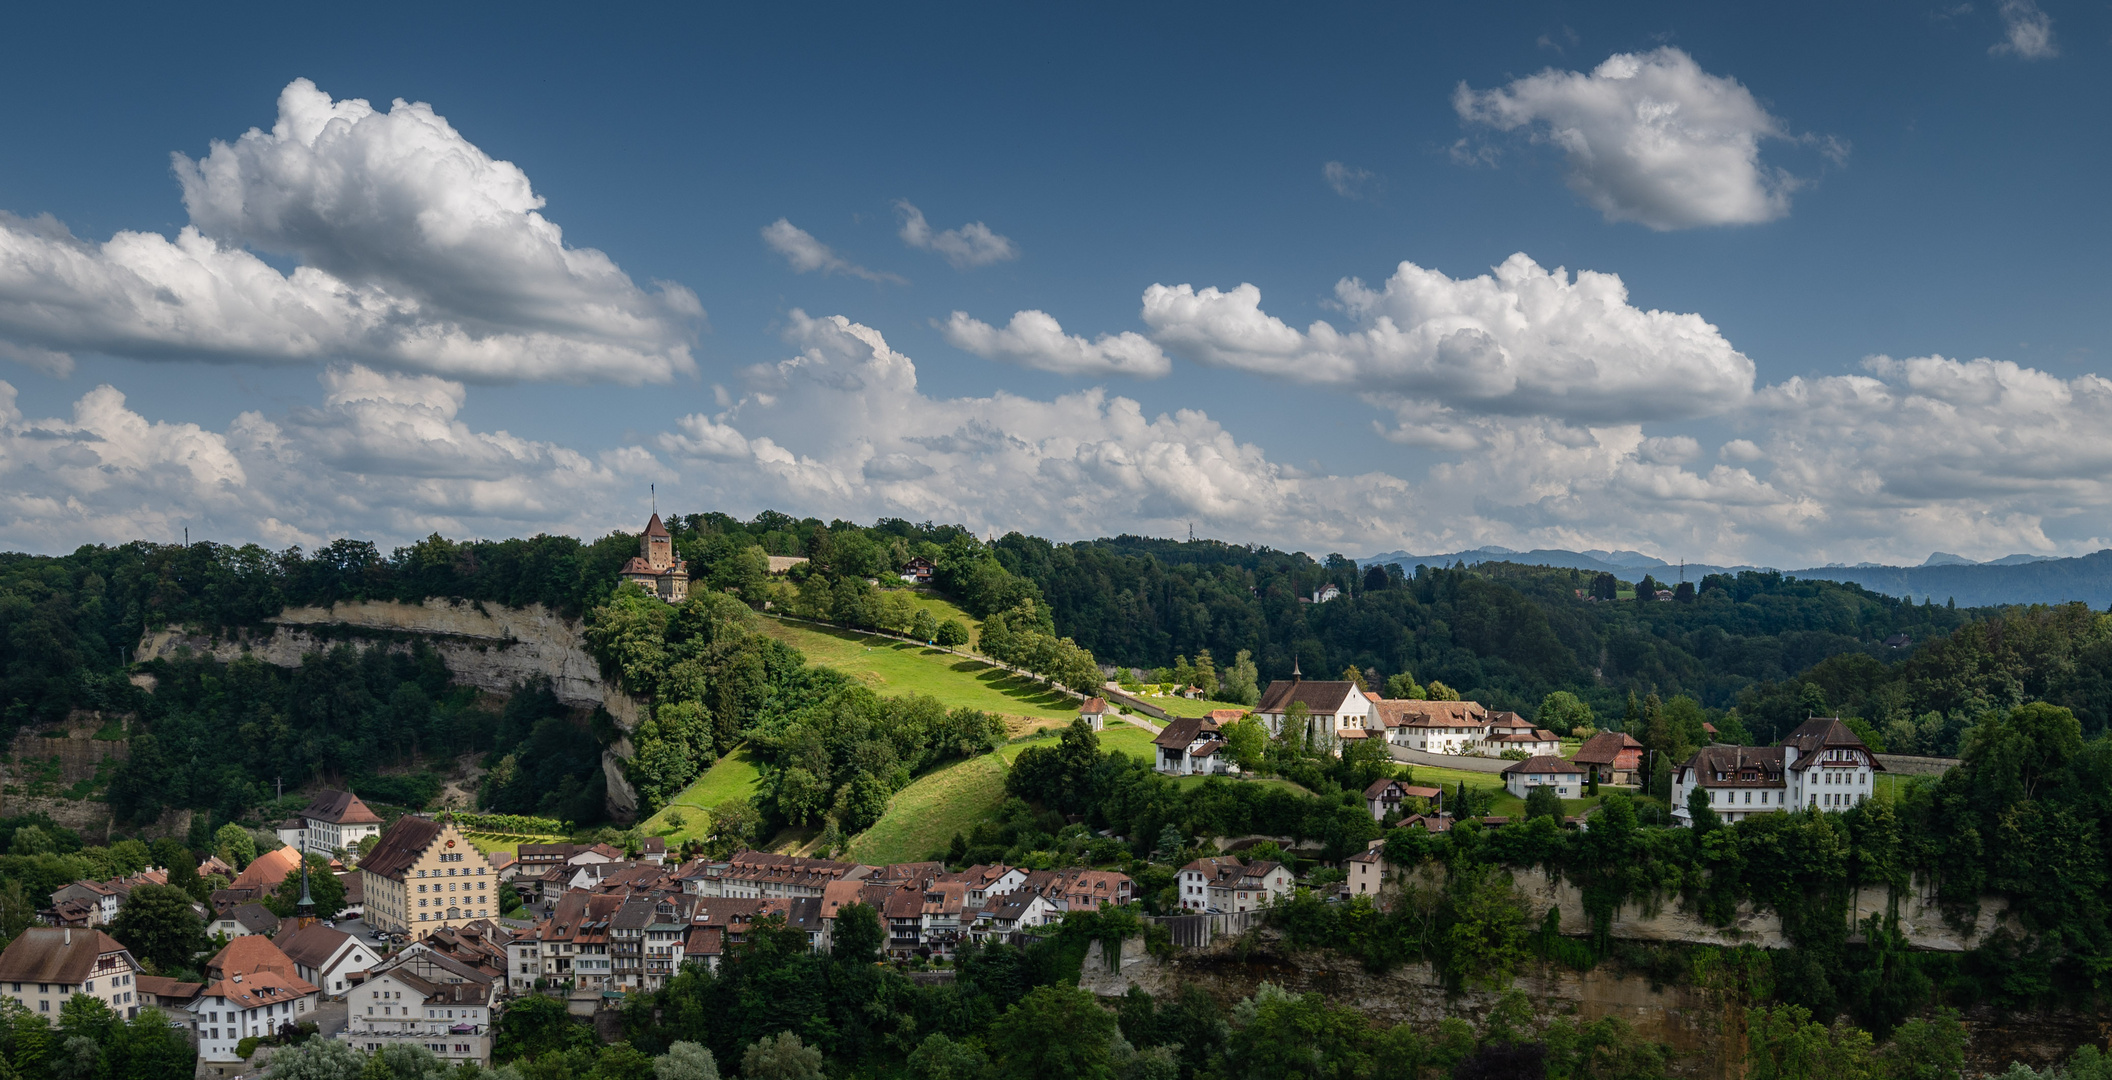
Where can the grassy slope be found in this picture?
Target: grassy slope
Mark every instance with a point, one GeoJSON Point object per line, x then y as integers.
{"type": "Point", "coordinates": [923, 817]}
{"type": "Point", "coordinates": [892, 666]}
{"type": "Point", "coordinates": [734, 777]}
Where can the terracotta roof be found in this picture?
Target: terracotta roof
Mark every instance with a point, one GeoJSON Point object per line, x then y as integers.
{"type": "Point", "coordinates": [260, 988]}
{"type": "Point", "coordinates": [340, 808]}
{"type": "Point", "coordinates": [401, 846]}
{"type": "Point", "coordinates": [837, 895]}
{"type": "Point", "coordinates": [268, 869]}
{"type": "Point", "coordinates": [1320, 696]}
{"type": "Point", "coordinates": [1543, 764]}
{"type": "Point", "coordinates": [1225, 716]}
{"type": "Point", "coordinates": [55, 955]}
{"type": "Point", "coordinates": [1605, 747]}
{"type": "Point", "coordinates": [654, 528]}
{"type": "Point", "coordinates": [1437, 713]}
{"type": "Point", "coordinates": [247, 954]}
{"type": "Point", "coordinates": [1093, 706]}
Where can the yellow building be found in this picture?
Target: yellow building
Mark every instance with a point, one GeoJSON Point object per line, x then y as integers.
{"type": "Point", "coordinates": [424, 875]}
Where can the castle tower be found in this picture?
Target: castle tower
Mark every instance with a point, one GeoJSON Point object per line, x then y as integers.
{"type": "Point", "coordinates": [656, 546]}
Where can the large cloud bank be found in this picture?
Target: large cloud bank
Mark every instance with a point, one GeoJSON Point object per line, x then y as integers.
{"type": "Point", "coordinates": [417, 251]}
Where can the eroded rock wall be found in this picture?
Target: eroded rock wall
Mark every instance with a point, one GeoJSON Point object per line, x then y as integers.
{"type": "Point", "coordinates": [488, 646]}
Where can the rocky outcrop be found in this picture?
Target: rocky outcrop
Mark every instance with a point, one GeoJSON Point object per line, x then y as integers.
{"type": "Point", "coordinates": [488, 646]}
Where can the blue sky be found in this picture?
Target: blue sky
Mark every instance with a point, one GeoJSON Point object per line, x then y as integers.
{"type": "Point", "coordinates": [1862, 315]}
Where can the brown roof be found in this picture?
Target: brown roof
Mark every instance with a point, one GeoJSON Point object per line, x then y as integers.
{"type": "Point", "coordinates": [1435, 713]}
{"type": "Point", "coordinates": [401, 846]}
{"type": "Point", "coordinates": [1605, 747]}
{"type": "Point", "coordinates": [313, 945]}
{"type": "Point", "coordinates": [1093, 706]}
{"type": "Point", "coordinates": [1226, 716]}
{"type": "Point", "coordinates": [654, 528]}
{"type": "Point", "coordinates": [250, 953]}
{"type": "Point", "coordinates": [166, 988]}
{"type": "Point", "coordinates": [1427, 823]}
{"type": "Point", "coordinates": [1378, 788]}
{"type": "Point", "coordinates": [341, 808]}
{"type": "Point", "coordinates": [1825, 733]}
{"type": "Point", "coordinates": [55, 955]}
{"type": "Point", "coordinates": [1740, 766]}
{"type": "Point", "coordinates": [1544, 763]}
{"type": "Point", "coordinates": [270, 868]}
{"type": "Point", "coordinates": [1320, 696]}
{"type": "Point", "coordinates": [1178, 734]}
{"type": "Point", "coordinates": [837, 895]}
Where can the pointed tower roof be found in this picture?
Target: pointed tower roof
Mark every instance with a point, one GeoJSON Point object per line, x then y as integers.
{"type": "Point", "coordinates": [654, 528]}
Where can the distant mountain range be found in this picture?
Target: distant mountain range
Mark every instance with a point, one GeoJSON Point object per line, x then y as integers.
{"type": "Point", "coordinates": [2013, 579]}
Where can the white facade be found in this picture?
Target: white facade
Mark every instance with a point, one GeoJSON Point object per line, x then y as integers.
{"type": "Point", "coordinates": [247, 1006]}
{"type": "Point", "coordinates": [1820, 766]}
{"type": "Point", "coordinates": [1567, 785]}
{"type": "Point", "coordinates": [453, 1021]}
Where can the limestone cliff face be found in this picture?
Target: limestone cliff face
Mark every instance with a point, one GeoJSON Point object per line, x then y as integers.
{"type": "Point", "coordinates": [1921, 922]}
{"type": "Point", "coordinates": [488, 646]}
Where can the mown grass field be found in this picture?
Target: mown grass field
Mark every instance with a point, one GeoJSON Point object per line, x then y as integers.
{"type": "Point", "coordinates": [892, 666]}
{"type": "Point", "coordinates": [493, 843]}
{"type": "Point", "coordinates": [923, 817]}
{"type": "Point", "coordinates": [734, 777]}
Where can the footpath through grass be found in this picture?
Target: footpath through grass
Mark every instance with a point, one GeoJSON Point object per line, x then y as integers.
{"type": "Point", "coordinates": [892, 666]}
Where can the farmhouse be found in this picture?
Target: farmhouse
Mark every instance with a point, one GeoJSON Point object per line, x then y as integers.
{"type": "Point", "coordinates": [1611, 757]}
{"type": "Point", "coordinates": [1192, 746]}
{"type": "Point", "coordinates": [1544, 771]}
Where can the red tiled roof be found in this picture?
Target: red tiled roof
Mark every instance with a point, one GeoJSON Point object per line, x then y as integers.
{"type": "Point", "coordinates": [267, 870]}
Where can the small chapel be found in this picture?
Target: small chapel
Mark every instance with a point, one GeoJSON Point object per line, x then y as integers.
{"type": "Point", "coordinates": [655, 566]}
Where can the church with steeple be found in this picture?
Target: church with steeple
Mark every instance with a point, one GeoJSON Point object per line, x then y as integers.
{"type": "Point", "coordinates": [655, 566]}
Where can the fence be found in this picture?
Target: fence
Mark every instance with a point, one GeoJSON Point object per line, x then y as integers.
{"type": "Point", "coordinates": [1199, 930]}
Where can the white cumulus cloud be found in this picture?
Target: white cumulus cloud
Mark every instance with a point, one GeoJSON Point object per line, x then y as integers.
{"type": "Point", "coordinates": [1650, 137]}
{"type": "Point", "coordinates": [417, 252]}
{"type": "Point", "coordinates": [805, 253]}
{"type": "Point", "coordinates": [1034, 339]}
{"type": "Point", "coordinates": [973, 244]}
{"type": "Point", "coordinates": [1523, 340]}
{"type": "Point", "coordinates": [2027, 31]}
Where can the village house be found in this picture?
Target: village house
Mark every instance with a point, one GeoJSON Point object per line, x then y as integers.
{"type": "Point", "coordinates": [1386, 796]}
{"type": "Point", "coordinates": [169, 995]}
{"type": "Point", "coordinates": [96, 903]}
{"type": "Point", "coordinates": [325, 956]}
{"type": "Point", "coordinates": [45, 966]}
{"type": "Point", "coordinates": [261, 876]}
{"type": "Point", "coordinates": [917, 571]}
{"type": "Point", "coordinates": [1192, 746]}
{"type": "Point", "coordinates": [1011, 914]}
{"type": "Point", "coordinates": [248, 917]}
{"type": "Point", "coordinates": [1821, 765]}
{"type": "Point", "coordinates": [254, 989]}
{"type": "Point", "coordinates": [425, 874]}
{"type": "Point", "coordinates": [1611, 757]}
{"type": "Point", "coordinates": [1544, 771]}
{"type": "Point", "coordinates": [1327, 592]}
{"type": "Point", "coordinates": [1367, 871]}
{"type": "Point", "coordinates": [1510, 732]}
{"type": "Point", "coordinates": [423, 999]}
{"type": "Point", "coordinates": [655, 568]}
{"type": "Point", "coordinates": [1436, 727]}
{"type": "Point", "coordinates": [1225, 884]}
{"type": "Point", "coordinates": [1331, 708]}
{"type": "Point", "coordinates": [336, 821]}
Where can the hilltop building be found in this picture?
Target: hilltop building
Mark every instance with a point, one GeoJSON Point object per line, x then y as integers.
{"type": "Point", "coordinates": [655, 567]}
{"type": "Point", "coordinates": [1822, 765]}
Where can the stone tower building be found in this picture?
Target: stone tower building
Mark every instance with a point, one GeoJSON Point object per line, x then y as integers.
{"type": "Point", "coordinates": [655, 566]}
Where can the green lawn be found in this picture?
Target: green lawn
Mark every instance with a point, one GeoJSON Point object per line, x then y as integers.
{"type": "Point", "coordinates": [734, 777]}
{"type": "Point", "coordinates": [1180, 706]}
{"type": "Point", "coordinates": [1506, 803]}
{"type": "Point", "coordinates": [923, 817]}
{"type": "Point", "coordinates": [493, 843]}
{"type": "Point", "coordinates": [1118, 735]}
{"type": "Point", "coordinates": [892, 666]}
